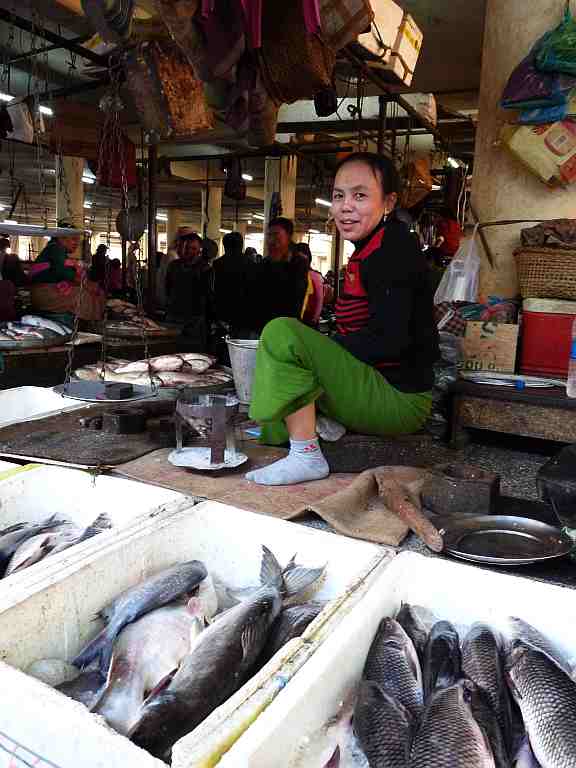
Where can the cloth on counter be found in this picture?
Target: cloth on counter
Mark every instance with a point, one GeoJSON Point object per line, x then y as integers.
{"type": "Point", "coordinates": [297, 366]}
{"type": "Point", "coordinates": [359, 512]}
{"type": "Point", "coordinates": [66, 299]}
{"type": "Point", "coordinates": [452, 316]}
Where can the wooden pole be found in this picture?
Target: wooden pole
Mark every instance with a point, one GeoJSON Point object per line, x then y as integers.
{"type": "Point", "coordinates": [152, 209]}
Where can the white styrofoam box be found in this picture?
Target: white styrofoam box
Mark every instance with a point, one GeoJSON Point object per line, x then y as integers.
{"type": "Point", "coordinates": [34, 492]}
{"type": "Point", "coordinates": [27, 403]}
{"type": "Point", "coordinates": [452, 591]}
{"type": "Point", "coordinates": [382, 37]}
{"type": "Point", "coordinates": [6, 465]}
{"type": "Point", "coordinates": [54, 617]}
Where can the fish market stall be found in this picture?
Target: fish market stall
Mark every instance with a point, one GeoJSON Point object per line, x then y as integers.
{"type": "Point", "coordinates": [310, 718]}
{"type": "Point", "coordinates": [51, 616]}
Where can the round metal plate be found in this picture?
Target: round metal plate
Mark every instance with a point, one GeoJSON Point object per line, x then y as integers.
{"type": "Point", "coordinates": [95, 392]}
{"type": "Point", "coordinates": [33, 343]}
{"type": "Point", "coordinates": [501, 539]}
{"type": "Point", "coordinates": [199, 458]}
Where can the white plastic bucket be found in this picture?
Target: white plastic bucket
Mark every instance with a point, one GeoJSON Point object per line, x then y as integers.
{"type": "Point", "coordinates": [243, 361]}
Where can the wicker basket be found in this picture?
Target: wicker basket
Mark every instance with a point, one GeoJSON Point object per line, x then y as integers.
{"type": "Point", "coordinates": [546, 273]}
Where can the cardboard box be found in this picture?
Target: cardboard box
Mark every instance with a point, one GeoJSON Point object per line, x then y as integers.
{"type": "Point", "coordinates": [489, 346]}
{"type": "Point", "coordinates": [379, 42]}
{"type": "Point", "coordinates": [549, 151]}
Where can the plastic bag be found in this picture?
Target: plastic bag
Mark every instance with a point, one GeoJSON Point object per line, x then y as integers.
{"type": "Point", "coordinates": [528, 88]}
{"type": "Point", "coordinates": [557, 50]}
{"type": "Point", "coordinates": [460, 280]}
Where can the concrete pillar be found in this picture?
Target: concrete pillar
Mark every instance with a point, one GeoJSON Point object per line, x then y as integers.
{"type": "Point", "coordinates": [70, 190]}
{"type": "Point", "coordinates": [212, 213]}
{"type": "Point", "coordinates": [502, 187]}
{"type": "Point", "coordinates": [280, 176]}
{"type": "Point", "coordinates": [175, 217]}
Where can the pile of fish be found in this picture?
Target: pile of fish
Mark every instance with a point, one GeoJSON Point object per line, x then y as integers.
{"type": "Point", "coordinates": [124, 317]}
{"type": "Point", "coordinates": [428, 699]}
{"type": "Point", "coordinates": [179, 644]}
{"type": "Point", "coordinates": [191, 369]}
{"type": "Point", "coordinates": [24, 544]}
{"type": "Point", "coordinates": [34, 329]}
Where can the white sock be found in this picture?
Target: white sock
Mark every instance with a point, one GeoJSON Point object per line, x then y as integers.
{"type": "Point", "coordinates": [305, 462]}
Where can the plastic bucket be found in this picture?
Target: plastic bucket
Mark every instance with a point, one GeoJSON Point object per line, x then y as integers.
{"type": "Point", "coordinates": [243, 361]}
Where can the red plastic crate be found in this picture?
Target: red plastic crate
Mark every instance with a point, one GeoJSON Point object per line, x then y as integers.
{"type": "Point", "coordinates": [546, 341]}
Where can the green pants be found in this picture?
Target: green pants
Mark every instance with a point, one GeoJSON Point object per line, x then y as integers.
{"type": "Point", "coordinates": [297, 366]}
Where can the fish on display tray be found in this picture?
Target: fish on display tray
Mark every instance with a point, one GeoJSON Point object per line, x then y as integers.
{"type": "Point", "coordinates": [180, 643]}
{"type": "Point", "coordinates": [492, 698]}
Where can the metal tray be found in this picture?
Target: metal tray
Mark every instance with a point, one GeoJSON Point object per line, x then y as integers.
{"type": "Point", "coordinates": [24, 344]}
{"type": "Point", "coordinates": [501, 539]}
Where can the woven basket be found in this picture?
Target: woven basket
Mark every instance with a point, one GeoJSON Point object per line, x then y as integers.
{"type": "Point", "coordinates": [546, 273]}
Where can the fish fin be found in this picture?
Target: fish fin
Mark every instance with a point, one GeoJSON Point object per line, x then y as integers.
{"type": "Point", "coordinates": [252, 639]}
{"type": "Point", "coordinates": [299, 579]}
{"type": "Point", "coordinates": [43, 551]}
{"type": "Point", "coordinates": [101, 523]}
{"type": "Point", "coordinates": [159, 687]}
{"type": "Point", "coordinates": [13, 528]}
{"type": "Point", "coordinates": [100, 649]}
{"type": "Point", "coordinates": [334, 761]}
{"type": "Point", "coordinates": [270, 570]}
{"type": "Point", "coordinates": [291, 563]}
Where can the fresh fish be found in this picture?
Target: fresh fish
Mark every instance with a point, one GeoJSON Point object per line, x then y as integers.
{"type": "Point", "coordinates": [486, 717]}
{"type": "Point", "coordinates": [197, 362]}
{"type": "Point", "coordinates": [290, 624]}
{"type": "Point", "coordinates": [43, 322]}
{"type": "Point", "coordinates": [383, 727]}
{"type": "Point", "coordinates": [86, 688]}
{"type": "Point", "coordinates": [29, 552]}
{"type": "Point", "coordinates": [483, 662]}
{"type": "Point", "coordinates": [547, 698]}
{"type": "Point", "coordinates": [63, 539]}
{"type": "Point", "coordinates": [52, 671]}
{"type": "Point", "coordinates": [530, 636]}
{"type": "Point", "coordinates": [175, 378]}
{"type": "Point", "coordinates": [221, 660]}
{"type": "Point", "coordinates": [145, 652]}
{"type": "Point", "coordinates": [393, 664]}
{"type": "Point", "coordinates": [325, 747]}
{"type": "Point", "coordinates": [11, 538]}
{"type": "Point", "coordinates": [159, 590]}
{"type": "Point", "coordinates": [442, 662]}
{"type": "Point", "coordinates": [448, 735]}
{"type": "Point", "coordinates": [412, 624]}
{"type": "Point", "coordinates": [525, 757]}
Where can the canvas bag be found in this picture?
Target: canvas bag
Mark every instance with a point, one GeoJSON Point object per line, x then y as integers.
{"type": "Point", "coordinates": [343, 20]}
{"type": "Point", "coordinates": [460, 280]}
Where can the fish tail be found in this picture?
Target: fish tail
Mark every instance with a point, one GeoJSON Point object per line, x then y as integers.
{"type": "Point", "coordinates": [101, 523]}
{"type": "Point", "coordinates": [334, 761]}
{"type": "Point", "coordinates": [270, 570]}
{"type": "Point", "coordinates": [299, 579]}
{"type": "Point", "coordinates": [100, 648]}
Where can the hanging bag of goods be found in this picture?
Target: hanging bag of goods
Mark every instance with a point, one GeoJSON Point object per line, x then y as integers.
{"type": "Point", "coordinates": [343, 20]}
{"type": "Point", "coordinates": [557, 51]}
{"type": "Point", "coordinates": [167, 94]}
{"type": "Point", "coordinates": [295, 64]}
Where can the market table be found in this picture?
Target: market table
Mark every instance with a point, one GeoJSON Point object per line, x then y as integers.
{"type": "Point", "coordinates": [541, 413]}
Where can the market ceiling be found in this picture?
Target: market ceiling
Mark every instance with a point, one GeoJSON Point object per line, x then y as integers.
{"type": "Point", "coordinates": [448, 25]}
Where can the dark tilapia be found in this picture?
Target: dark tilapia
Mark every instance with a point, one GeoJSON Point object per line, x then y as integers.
{"type": "Point", "coordinates": [86, 688]}
{"type": "Point", "coordinates": [392, 662]}
{"type": "Point", "coordinates": [290, 624]}
{"type": "Point", "coordinates": [547, 698]}
{"type": "Point", "coordinates": [483, 662]}
{"type": "Point", "coordinates": [448, 735]}
{"type": "Point", "coordinates": [486, 718]}
{"type": "Point", "coordinates": [414, 627]}
{"type": "Point", "coordinates": [11, 538]}
{"type": "Point", "coordinates": [442, 662]}
{"type": "Point", "coordinates": [220, 661]}
{"type": "Point", "coordinates": [155, 592]}
{"type": "Point", "coordinates": [530, 636]}
{"type": "Point", "coordinates": [383, 727]}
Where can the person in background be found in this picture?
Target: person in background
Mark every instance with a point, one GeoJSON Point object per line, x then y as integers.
{"type": "Point", "coordinates": [56, 256]}
{"type": "Point", "coordinates": [315, 291]}
{"type": "Point", "coordinates": [278, 285]}
{"type": "Point", "coordinates": [251, 254]}
{"type": "Point", "coordinates": [376, 375]}
{"type": "Point", "coordinates": [98, 269]}
{"type": "Point", "coordinates": [231, 284]}
{"type": "Point", "coordinates": [115, 285]}
{"type": "Point", "coordinates": [12, 276]}
{"type": "Point", "coordinates": [189, 282]}
{"type": "Point", "coordinates": [448, 236]}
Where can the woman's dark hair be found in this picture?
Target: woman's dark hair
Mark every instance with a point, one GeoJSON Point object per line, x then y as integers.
{"type": "Point", "coordinates": [102, 249]}
{"type": "Point", "coordinates": [233, 242]}
{"type": "Point", "coordinates": [381, 166]}
{"type": "Point", "coordinates": [4, 243]}
{"type": "Point", "coordinates": [286, 224]}
{"type": "Point", "coordinates": [304, 250]}
{"type": "Point", "coordinates": [191, 236]}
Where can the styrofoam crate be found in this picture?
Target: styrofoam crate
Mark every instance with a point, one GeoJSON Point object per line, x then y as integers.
{"type": "Point", "coordinates": [452, 591]}
{"type": "Point", "coordinates": [27, 403]}
{"type": "Point", "coordinates": [54, 617]}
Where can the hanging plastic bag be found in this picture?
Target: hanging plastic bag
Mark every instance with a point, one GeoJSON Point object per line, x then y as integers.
{"type": "Point", "coordinates": [557, 50]}
{"type": "Point", "coordinates": [460, 280]}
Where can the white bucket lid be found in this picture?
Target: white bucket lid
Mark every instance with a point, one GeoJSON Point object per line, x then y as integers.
{"type": "Point", "coordinates": [550, 306]}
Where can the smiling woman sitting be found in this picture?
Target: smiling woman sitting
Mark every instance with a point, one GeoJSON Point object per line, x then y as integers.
{"type": "Point", "coordinates": [375, 376]}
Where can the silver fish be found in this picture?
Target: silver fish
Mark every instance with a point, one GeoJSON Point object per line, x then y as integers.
{"type": "Point", "coordinates": [392, 662]}
{"type": "Point", "coordinates": [11, 538]}
{"type": "Point", "coordinates": [442, 661]}
{"type": "Point", "coordinates": [483, 663]}
{"type": "Point", "coordinates": [383, 727]}
{"type": "Point", "coordinates": [448, 735]}
{"type": "Point", "coordinates": [220, 662]}
{"type": "Point", "coordinates": [159, 590]}
{"type": "Point", "coordinates": [51, 325]}
{"type": "Point", "coordinates": [547, 699]}
{"type": "Point", "coordinates": [145, 652]}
